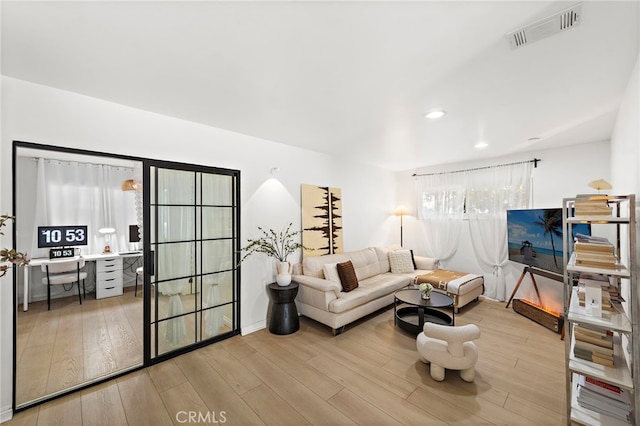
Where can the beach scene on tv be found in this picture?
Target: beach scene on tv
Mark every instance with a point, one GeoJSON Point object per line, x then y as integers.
{"type": "Point", "coordinates": [535, 237]}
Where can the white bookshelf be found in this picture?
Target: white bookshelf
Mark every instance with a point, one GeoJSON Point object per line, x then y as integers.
{"type": "Point", "coordinates": [623, 320]}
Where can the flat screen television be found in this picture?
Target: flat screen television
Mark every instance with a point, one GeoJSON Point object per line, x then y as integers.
{"type": "Point", "coordinates": [535, 237]}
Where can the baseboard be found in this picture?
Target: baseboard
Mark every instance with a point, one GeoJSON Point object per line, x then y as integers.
{"type": "Point", "coordinates": [253, 328]}
{"type": "Point", "coordinates": [6, 414]}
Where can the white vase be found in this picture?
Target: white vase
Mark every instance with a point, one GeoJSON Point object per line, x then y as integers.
{"type": "Point", "coordinates": [426, 296]}
{"type": "Point", "coordinates": [284, 274]}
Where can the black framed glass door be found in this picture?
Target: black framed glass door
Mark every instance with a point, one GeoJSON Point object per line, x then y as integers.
{"type": "Point", "coordinates": [192, 250]}
{"type": "Point", "coordinates": [190, 235]}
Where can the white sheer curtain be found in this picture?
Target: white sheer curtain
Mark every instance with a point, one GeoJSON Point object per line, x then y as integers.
{"type": "Point", "coordinates": [72, 193]}
{"type": "Point", "coordinates": [490, 193]}
{"type": "Point", "coordinates": [218, 255]}
{"type": "Point", "coordinates": [175, 259]}
{"type": "Point", "coordinates": [440, 200]}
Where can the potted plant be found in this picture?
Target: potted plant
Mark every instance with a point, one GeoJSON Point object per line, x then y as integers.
{"type": "Point", "coordinates": [278, 245]}
{"type": "Point", "coordinates": [9, 255]}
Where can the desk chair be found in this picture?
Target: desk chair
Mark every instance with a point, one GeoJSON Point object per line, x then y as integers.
{"type": "Point", "coordinates": [139, 273]}
{"type": "Point", "coordinates": [64, 272]}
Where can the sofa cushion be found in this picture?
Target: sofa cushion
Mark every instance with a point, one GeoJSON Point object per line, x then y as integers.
{"type": "Point", "coordinates": [348, 277]}
{"type": "Point", "coordinates": [401, 261]}
{"type": "Point", "coordinates": [368, 290]}
{"type": "Point", "coordinates": [314, 266]}
{"type": "Point", "coordinates": [383, 259]}
{"type": "Point", "coordinates": [331, 272]}
{"type": "Point", "coordinates": [365, 262]}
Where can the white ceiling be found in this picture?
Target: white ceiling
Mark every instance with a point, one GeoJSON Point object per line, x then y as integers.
{"type": "Point", "coordinates": [345, 78]}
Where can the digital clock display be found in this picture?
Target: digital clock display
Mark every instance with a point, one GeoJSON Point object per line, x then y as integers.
{"type": "Point", "coordinates": [62, 236]}
{"type": "Point", "coordinates": [61, 253]}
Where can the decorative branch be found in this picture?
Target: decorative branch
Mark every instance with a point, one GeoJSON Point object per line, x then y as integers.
{"type": "Point", "coordinates": [10, 255]}
{"type": "Point", "coordinates": [278, 245]}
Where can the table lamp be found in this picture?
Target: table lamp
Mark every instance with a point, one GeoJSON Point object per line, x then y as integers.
{"type": "Point", "coordinates": [107, 238]}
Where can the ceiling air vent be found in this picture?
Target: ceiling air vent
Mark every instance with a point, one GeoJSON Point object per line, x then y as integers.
{"type": "Point", "coordinates": [546, 27]}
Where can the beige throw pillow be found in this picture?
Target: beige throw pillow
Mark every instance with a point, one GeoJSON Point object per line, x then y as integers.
{"type": "Point", "coordinates": [331, 272]}
{"type": "Point", "coordinates": [401, 261]}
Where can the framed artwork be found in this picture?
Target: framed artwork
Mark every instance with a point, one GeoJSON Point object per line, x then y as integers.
{"type": "Point", "coordinates": [321, 220]}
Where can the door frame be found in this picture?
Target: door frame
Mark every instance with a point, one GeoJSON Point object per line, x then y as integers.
{"type": "Point", "coordinates": [147, 360]}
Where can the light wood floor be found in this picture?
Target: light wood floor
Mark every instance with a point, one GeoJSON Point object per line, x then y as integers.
{"type": "Point", "coordinates": [368, 375]}
{"type": "Point", "coordinates": [73, 344]}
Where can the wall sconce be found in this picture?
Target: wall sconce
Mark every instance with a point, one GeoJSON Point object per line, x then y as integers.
{"type": "Point", "coordinates": [400, 211]}
{"type": "Point", "coordinates": [107, 238]}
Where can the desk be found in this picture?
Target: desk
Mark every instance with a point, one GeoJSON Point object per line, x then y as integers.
{"type": "Point", "coordinates": [44, 261]}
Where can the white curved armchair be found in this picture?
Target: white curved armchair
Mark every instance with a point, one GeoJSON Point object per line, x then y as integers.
{"type": "Point", "coordinates": [448, 347]}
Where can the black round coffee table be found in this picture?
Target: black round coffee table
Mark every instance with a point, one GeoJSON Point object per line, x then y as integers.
{"type": "Point", "coordinates": [284, 314]}
{"type": "Point", "coordinates": [412, 318]}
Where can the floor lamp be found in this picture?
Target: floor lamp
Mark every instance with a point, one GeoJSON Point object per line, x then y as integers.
{"type": "Point", "coordinates": [400, 211]}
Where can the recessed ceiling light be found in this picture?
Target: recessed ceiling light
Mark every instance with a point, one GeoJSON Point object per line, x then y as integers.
{"type": "Point", "coordinates": [436, 113]}
{"type": "Point", "coordinates": [481, 145]}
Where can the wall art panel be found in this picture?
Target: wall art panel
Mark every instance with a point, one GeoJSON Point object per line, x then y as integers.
{"type": "Point", "coordinates": [321, 220]}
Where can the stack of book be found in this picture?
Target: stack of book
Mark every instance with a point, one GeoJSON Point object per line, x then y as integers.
{"type": "Point", "coordinates": [593, 345]}
{"type": "Point", "coordinates": [595, 252]}
{"type": "Point", "coordinates": [604, 282]}
{"type": "Point", "coordinates": [592, 206]}
{"type": "Point", "coordinates": [606, 298]}
{"type": "Point", "coordinates": [604, 398]}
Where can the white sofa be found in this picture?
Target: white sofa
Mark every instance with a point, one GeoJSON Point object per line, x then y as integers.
{"type": "Point", "coordinates": [324, 301]}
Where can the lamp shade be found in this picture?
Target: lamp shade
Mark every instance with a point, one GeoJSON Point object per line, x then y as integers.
{"type": "Point", "coordinates": [131, 185]}
{"type": "Point", "coordinates": [400, 211]}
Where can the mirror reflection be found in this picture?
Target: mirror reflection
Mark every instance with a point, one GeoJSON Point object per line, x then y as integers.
{"type": "Point", "coordinates": [83, 322]}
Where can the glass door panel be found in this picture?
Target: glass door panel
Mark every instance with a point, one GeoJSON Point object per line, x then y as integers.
{"type": "Point", "coordinates": [194, 241]}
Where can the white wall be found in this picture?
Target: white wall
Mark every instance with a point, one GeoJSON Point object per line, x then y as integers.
{"type": "Point", "coordinates": [556, 177]}
{"type": "Point", "coordinates": [625, 142]}
{"type": "Point", "coordinates": [40, 114]}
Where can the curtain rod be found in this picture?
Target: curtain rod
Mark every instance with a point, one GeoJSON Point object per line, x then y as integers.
{"type": "Point", "coordinates": [76, 162]}
{"type": "Point", "coordinates": [534, 161]}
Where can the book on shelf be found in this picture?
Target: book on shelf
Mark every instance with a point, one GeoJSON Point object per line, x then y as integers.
{"type": "Point", "coordinates": [592, 207]}
{"type": "Point", "coordinates": [590, 330]}
{"type": "Point", "coordinates": [604, 341]}
{"type": "Point", "coordinates": [599, 279]}
{"type": "Point", "coordinates": [591, 238]}
{"type": "Point", "coordinates": [595, 357]}
{"type": "Point", "coordinates": [605, 389]}
{"type": "Point", "coordinates": [590, 348]}
{"type": "Point", "coordinates": [603, 398]}
{"type": "Point", "coordinates": [593, 247]}
{"type": "Point", "coordinates": [596, 262]}
{"type": "Point", "coordinates": [605, 299]}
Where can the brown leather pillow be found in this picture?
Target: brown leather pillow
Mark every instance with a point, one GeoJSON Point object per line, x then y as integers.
{"type": "Point", "coordinates": [348, 276]}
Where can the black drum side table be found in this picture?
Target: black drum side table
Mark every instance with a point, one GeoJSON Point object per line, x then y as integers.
{"type": "Point", "coordinates": [284, 314]}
